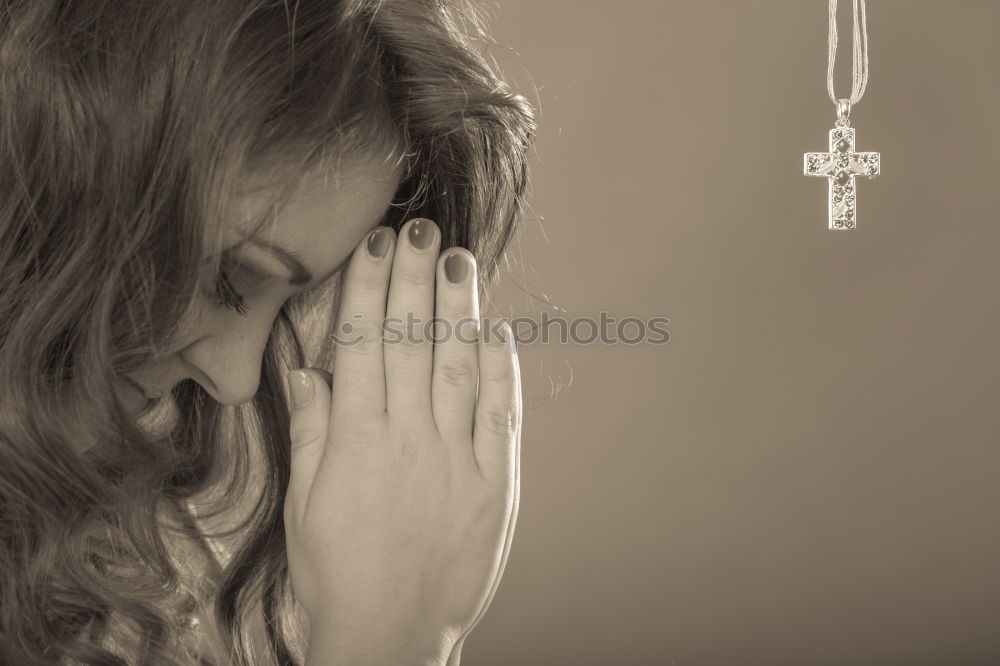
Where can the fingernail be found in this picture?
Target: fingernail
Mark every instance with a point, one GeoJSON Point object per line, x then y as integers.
{"type": "Point", "coordinates": [300, 385]}
{"type": "Point", "coordinates": [456, 267]}
{"type": "Point", "coordinates": [421, 234]}
{"type": "Point", "coordinates": [378, 242]}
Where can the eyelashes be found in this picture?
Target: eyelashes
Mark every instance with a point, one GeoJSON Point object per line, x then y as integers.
{"type": "Point", "coordinates": [227, 296]}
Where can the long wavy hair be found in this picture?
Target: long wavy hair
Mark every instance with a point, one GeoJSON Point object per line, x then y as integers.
{"type": "Point", "coordinates": [125, 128]}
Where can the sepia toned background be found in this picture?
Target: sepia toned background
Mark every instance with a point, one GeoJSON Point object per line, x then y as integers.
{"type": "Point", "coordinates": [807, 473]}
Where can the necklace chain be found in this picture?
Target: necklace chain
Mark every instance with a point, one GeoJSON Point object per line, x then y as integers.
{"type": "Point", "coordinates": [859, 58]}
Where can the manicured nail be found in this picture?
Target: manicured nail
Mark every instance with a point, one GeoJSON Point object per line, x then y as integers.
{"type": "Point", "coordinates": [300, 385]}
{"type": "Point", "coordinates": [379, 242]}
{"type": "Point", "coordinates": [456, 267]}
{"type": "Point", "coordinates": [422, 234]}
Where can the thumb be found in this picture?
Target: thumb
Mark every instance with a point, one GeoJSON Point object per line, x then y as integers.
{"type": "Point", "coordinates": [310, 416]}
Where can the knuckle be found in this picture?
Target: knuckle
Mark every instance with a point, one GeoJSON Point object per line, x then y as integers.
{"type": "Point", "coordinates": [456, 371]}
{"type": "Point", "coordinates": [357, 437]}
{"type": "Point", "coordinates": [498, 420]}
{"type": "Point", "coordinates": [361, 430]}
{"type": "Point", "coordinates": [363, 338]}
{"type": "Point", "coordinates": [411, 345]}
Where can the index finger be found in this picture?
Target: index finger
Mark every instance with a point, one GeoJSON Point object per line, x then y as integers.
{"type": "Point", "coordinates": [358, 367]}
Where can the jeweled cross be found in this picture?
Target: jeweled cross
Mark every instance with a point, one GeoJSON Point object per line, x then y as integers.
{"type": "Point", "coordinates": [840, 166]}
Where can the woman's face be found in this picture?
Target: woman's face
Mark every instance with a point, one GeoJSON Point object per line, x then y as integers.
{"type": "Point", "coordinates": [313, 235]}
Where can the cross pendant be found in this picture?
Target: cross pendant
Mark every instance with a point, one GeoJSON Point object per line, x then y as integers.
{"type": "Point", "coordinates": [840, 166]}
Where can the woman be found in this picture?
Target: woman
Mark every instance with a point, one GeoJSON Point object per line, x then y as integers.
{"type": "Point", "coordinates": [189, 190]}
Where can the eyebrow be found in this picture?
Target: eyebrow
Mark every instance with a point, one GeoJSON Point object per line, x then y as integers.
{"type": "Point", "coordinates": [292, 260]}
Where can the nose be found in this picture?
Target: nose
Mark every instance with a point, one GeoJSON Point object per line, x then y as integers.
{"type": "Point", "coordinates": [230, 357]}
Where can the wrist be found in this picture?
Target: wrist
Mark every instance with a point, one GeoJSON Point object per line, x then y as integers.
{"type": "Point", "coordinates": [329, 647]}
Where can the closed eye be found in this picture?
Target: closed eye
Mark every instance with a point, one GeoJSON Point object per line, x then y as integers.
{"type": "Point", "coordinates": [227, 296]}
{"type": "Point", "coordinates": [232, 282]}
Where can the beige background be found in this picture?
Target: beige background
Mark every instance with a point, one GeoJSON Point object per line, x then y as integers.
{"type": "Point", "coordinates": [807, 473]}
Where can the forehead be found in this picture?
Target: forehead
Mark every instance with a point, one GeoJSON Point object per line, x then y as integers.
{"type": "Point", "coordinates": [329, 209]}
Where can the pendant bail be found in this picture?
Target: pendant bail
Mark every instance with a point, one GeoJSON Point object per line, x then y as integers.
{"type": "Point", "coordinates": [843, 112]}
